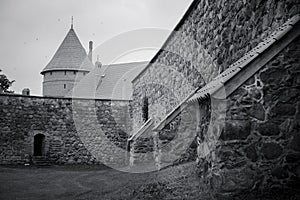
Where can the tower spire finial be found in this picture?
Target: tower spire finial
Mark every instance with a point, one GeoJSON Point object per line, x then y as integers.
{"type": "Point", "coordinates": [72, 22]}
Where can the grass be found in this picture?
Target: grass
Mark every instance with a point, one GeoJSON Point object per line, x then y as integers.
{"type": "Point", "coordinates": [80, 182]}
{"type": "Point", "coordinates": [98, 182]}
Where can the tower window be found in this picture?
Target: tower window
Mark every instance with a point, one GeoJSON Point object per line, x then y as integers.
{"type": "Point", "coordinates": [74, 72]}
{"type": "Point", "coordinates": [65, 73]}
{"type": "Point", "coordinates": [50, 73]}
{"type": "Point", "coordinates": [65, 86]}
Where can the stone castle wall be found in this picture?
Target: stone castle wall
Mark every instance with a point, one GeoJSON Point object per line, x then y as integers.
{"type": "Point", "coordinates": [211, 36]}
{"type": "Point", "coordinates": [77, 131]}
{"type": "Point", "coordinates": [259, 145]}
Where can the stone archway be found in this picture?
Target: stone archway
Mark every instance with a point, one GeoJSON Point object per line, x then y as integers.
{"type": "Point", "coordinates": [39, 145]}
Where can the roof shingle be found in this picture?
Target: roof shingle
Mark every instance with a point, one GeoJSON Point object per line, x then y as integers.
{"type": "Point", "coordinates": [108, 82]}
{"type": "Point", "coordinates": [69, 56]}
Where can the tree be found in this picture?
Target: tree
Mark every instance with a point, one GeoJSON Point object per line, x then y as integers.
{"type": "Point", "coordinates": [5, 84]}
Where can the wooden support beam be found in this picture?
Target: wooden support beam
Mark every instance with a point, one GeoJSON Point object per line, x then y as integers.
{"type": "Point", "coordinates": [176, 111]}
{"type": "Point", "coordinates": [148, 126]}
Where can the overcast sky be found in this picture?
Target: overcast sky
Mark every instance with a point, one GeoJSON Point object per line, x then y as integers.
{"type": "Point", "coordinates": [32, 30]}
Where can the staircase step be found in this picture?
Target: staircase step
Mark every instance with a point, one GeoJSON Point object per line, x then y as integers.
{"type": "Point", "coordinates": [41, 161]}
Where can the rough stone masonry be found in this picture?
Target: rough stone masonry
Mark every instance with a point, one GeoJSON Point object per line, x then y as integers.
{"type": "Point", "coordinates": [74, 129]}
{"type": "Point", "coordinates": [258, 147]}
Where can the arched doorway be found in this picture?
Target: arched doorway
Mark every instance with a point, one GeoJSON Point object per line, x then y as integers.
{"type": "Point", "coordinates": [39, 144]}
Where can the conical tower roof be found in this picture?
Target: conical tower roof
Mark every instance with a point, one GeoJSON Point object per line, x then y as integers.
{"type": "Point", "coordinates": [69, 56]}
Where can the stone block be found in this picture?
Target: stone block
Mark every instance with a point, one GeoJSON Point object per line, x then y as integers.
{"type": "Point", "coordinates": [251, 152]}
{"type": "Point", "coordinates": [295, 144]}
{"type": "Point", "coordinates": [282, 110]}
{"type": "Point", "coordinates": [257, 111]}
{"type": "Point", "coordinates": [288, 94]}
{"type": "Point", "coordinates": [272, 77]}
{"type": "Point", "coordinates": [268, 129]}
{"type": "Point", "coordinates": [292, 158]}
{"type": "Point", "coordinates": [235, 181]}
{"type": "Point", "coordinates": [280, 173]}
{"type": "Point", "coordinates": [271, 151]}
{"type": "Point", "coordinates": [236, 129]}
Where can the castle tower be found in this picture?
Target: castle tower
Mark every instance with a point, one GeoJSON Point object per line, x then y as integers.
{"type": "Point", "coordinates": [69, 64]}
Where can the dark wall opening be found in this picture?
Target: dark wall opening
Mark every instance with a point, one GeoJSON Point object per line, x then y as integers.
{"type": "Point", "coordinates": [39, 144]}
{"type": "Point", "coordinates": [145, 109]}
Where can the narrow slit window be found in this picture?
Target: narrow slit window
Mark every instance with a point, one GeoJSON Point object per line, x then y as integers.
{"type": "Point", "coordinates": [65, 86]}
{"type": "Point", "coordinates": [145, 109]}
